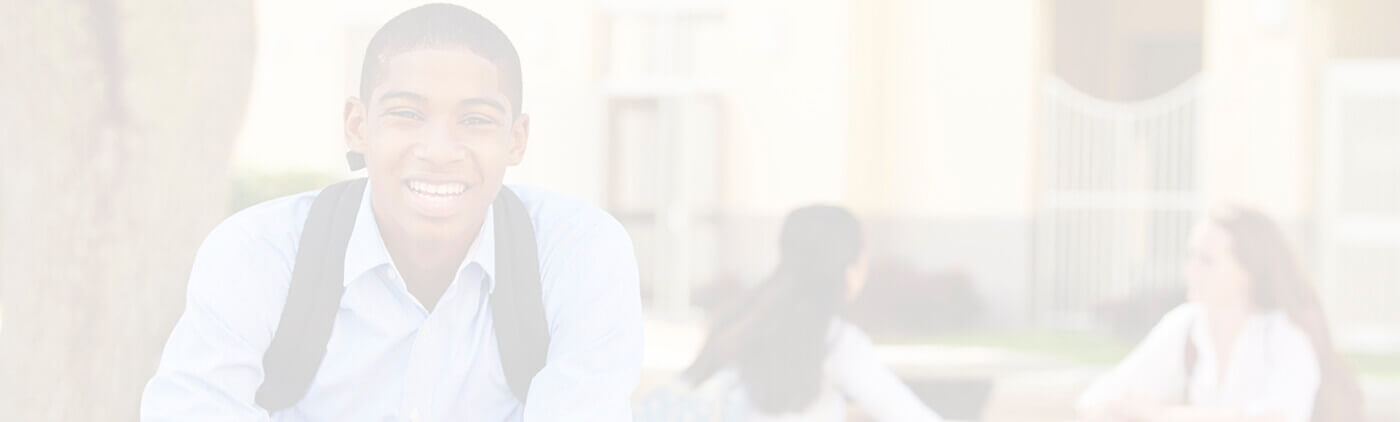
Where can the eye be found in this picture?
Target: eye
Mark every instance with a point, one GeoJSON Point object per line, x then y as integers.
{"type": "Point", "coordinates": [476, 121]}
{"type": "Point", "coordinates": [405, 114]}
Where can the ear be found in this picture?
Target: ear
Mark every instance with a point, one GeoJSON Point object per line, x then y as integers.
{"type": "Point", "coordinates": [519, 138]}
{"type": "Point", "coordinates": [355, 124]}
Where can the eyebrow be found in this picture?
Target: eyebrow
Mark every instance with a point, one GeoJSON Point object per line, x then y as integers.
{"type": "Point", "coordinates": [402, 94]}
{"type": "Point", "coordinates": [484, 101]}
{"type": "Point", "coordinates": [406, 95]}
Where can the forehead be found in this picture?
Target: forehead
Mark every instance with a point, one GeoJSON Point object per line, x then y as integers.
{"type": "Point", "coordinates": [447, 74]}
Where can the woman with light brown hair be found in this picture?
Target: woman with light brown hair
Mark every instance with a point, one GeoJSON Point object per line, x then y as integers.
{"type": "Point", "coordinates": [1251, 343]}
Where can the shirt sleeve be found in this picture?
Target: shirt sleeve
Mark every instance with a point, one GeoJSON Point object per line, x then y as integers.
{"type": "Point", "coordinates": [212, 362]}
{"type": "Point", "coordinates": [1291, 389]}
{"type": "Point", "coordinates": [593, 308]}
{"type": "Point", "coordinates": [1155, 368]}
{"type": "Point", "coordinates": [860, 375]}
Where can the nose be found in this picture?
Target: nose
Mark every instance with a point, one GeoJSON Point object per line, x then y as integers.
{"type": "Point", "coordinates": [440, 148]}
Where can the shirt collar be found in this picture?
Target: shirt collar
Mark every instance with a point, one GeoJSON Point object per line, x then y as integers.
{"type": "Point", "coordinates": [483, 250]}
{"type": "Point", "coordinates": [367, 252]}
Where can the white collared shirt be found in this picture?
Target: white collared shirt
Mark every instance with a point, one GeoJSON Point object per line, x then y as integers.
{"type": "Point", "coordinates": [1273, 368]}
{"type": "Point", "coordinates": [851, 371]}
{"type": "Point", "coordinates": [389, 358]}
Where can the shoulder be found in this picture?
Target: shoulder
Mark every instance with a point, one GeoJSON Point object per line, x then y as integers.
{"type": "Point", "coordinates": [585, 255]}
{"type": "Point", "coordinates": [1172, 330]}
{"type": "Point", "coordinates": [844, 332]}
{"type": "Point", "coordinates": [848, 342]}
{"type": "Point", "coordinates": [1182, 314]}
{"type": "Point", "coordinates": [1179, 319]}
{"type": "Point", "coordinates": [276, 220]}
{"type": "Point", "coordinates": [566, 225]}
{"type": "Point", "coordinates": [259, 239]}
{"type": "Point", "coordinates": [243, 268]}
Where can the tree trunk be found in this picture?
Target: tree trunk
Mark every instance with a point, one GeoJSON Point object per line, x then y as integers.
{"type": "Point", "coordinates": [116, 124]}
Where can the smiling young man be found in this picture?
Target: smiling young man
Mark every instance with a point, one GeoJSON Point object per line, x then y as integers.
{"type": "Point", "coordinates": [428, 292]}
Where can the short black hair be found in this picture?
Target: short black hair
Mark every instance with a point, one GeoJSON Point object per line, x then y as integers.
{"type": "Point", "coordinates": [439, 25]}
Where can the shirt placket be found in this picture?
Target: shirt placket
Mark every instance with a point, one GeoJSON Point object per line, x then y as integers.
{"type": "Point", "coordinates": [422, 371]}
{"type": "Point", "coordinates": [429, 361]}
{"type": "Point", "coordinates": [469, 313]}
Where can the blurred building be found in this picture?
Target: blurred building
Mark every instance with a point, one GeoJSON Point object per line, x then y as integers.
{"type": "Point", "coordinates": [1057, 151]}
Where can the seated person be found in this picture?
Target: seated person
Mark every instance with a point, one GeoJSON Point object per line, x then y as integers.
{"type": "Point", "coordinates": [429, 291]}
{"type": "Point", "coordinates": [785, 353]}
{"type": "Point", "coordinates": [1250, 344]}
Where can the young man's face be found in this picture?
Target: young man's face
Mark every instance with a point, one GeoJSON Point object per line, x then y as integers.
{"type": "Point", "coordinates": [437, 133]}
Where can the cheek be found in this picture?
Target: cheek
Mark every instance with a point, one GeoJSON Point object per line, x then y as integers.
{"type": "Point", "coordinates": [1194, 275]}
{"type": "Point", "coordinates": [489, 156]}
{"type": "Point", "coordinates": [1197, 285]}
{"type": "Point", "coordinates": [387, 148]}
{"type": "Point", "coordinates": [384, 167]}
{"type": "Point", "coordinates": [384, 161]}
{"type": "Point", "coordinates": [1203, 281]}
{"type": "Point", "coordinates": [1236, 280]}
{"type": "Point", "coordinates": [1222, 285]}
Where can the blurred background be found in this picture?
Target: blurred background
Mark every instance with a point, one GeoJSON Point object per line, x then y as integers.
{"type": "Point", "coordinates": [1028, 170]}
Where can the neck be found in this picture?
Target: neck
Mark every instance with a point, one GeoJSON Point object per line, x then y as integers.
{"type": "Point", "coordinates": [428, 265]}
{"type": "Point", "coordinates": [1229, 318]}
{"type": "Point", "coordinates": [427, 256]}
{"type": "Point", "coordinates": [1225, 324]}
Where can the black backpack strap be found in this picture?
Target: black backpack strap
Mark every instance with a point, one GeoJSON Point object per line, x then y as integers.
{"type": "Point", "coordinates": [517, 306]}
{"type": "Point", "coordinates": [313, 299]}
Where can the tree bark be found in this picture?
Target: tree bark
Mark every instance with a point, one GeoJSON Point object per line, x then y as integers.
{"type": "Point", "coordinates": [117, 121]}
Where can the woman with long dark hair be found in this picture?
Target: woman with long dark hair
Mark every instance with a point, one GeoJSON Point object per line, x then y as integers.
{"type": "Point", "coordinates": [1251, 344]}
{"type": "Point", "coordinates": [784, 348]}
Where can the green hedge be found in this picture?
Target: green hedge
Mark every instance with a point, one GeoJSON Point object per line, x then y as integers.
{"type": "Point", "coordinates": [250, 188]}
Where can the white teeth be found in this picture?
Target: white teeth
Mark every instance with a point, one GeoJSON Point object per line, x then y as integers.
{"type": "Point", "coordinates": [445, 189]}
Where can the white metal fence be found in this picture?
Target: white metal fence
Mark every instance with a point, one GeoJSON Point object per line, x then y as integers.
{"type": "Point", "coordinates": [1360, 200]}
{"type": "Point", "coordinates": [1117, 187]}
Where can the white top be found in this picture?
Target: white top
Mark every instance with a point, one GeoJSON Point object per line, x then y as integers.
{"type": "Point", "coordinates": [1273, 367]}
{"type": "Point", "coordinates": [852, 371]}
{"type": "Point", "coordinates": [389, 358]}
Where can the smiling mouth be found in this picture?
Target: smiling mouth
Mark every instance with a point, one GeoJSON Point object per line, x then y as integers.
{"type": "Point", "coordinates": [438, 191]}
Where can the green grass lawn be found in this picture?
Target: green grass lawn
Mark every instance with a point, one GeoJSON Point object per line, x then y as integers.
{"type": "Point", "coordinates": [1384, 366]}
{"type": "Point", "coordinates": [250, 187]}
{"type": "Point", "coordinates": [1074, 346]}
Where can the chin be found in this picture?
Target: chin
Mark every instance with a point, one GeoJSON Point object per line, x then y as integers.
{"type": "Point", "coordinates": [424, 227]}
